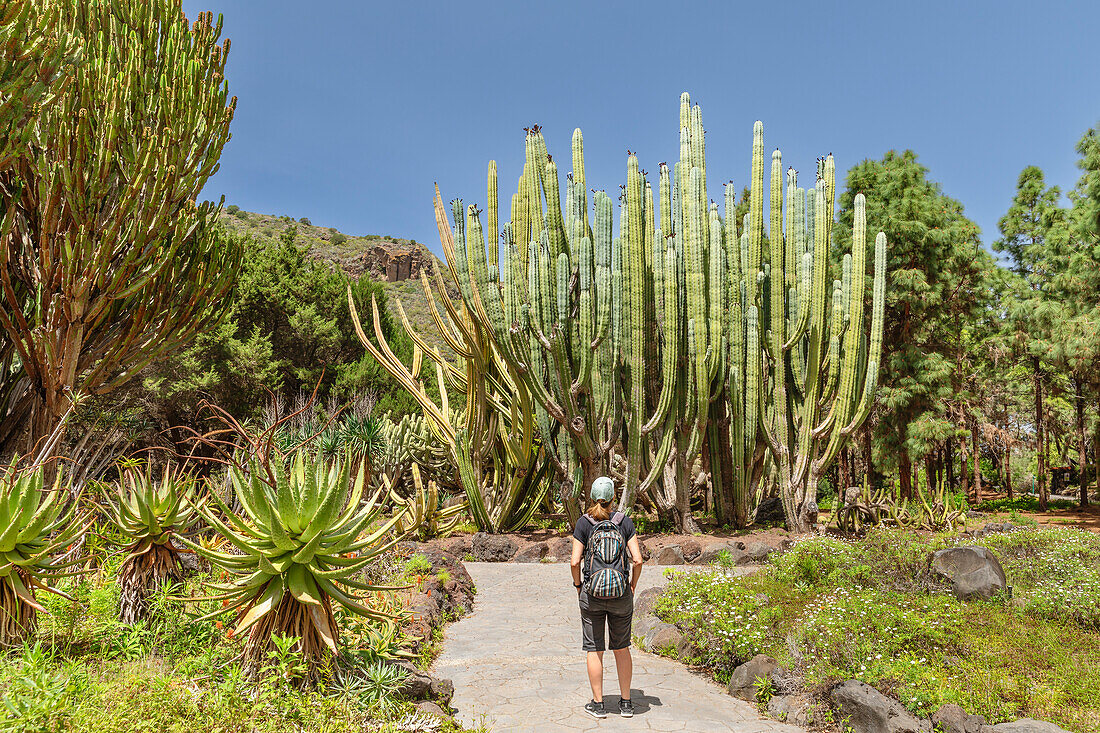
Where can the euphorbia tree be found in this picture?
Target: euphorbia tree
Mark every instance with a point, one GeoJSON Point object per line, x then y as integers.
{"type": "Point", "coordinates": [34, 65]}
{"type": "Point", "coordinates": [107, 261]}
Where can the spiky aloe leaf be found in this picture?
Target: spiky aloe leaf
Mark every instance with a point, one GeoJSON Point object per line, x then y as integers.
{"type": "Point", "coordinates": [39, 523]}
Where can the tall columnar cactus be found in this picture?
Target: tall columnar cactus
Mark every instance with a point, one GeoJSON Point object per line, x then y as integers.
{"type": "Point", "coordinates": [491, 438]}
{"type": "Point", "coordinates": [672, 342]}
{"type": "Point", "coordinates": [822, 368]}
{"type": "Point", "coordinates": [549, 306]}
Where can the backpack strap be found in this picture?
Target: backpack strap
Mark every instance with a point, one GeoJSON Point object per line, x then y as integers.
{"type": "Point", "coordinates": [617, 518]}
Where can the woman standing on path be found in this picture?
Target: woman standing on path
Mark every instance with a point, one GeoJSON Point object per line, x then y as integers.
{"type": "Point", "coordinates": [602, 541]}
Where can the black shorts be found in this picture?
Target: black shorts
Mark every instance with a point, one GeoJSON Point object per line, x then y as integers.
{"type": "Point", "coordinates": [617, 614]}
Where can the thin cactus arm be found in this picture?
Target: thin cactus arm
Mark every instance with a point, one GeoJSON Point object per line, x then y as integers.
{"type": "Point", "coordinates": [878, 312]}
{"type": "Point", "coordinates": [389, 361]}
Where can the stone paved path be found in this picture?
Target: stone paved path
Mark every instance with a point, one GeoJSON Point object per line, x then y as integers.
{"type": "Point", "coordinates": [517, 665]}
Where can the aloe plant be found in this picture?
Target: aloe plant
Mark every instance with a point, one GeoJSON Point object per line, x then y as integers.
{"type": "Point", "coordinates": [150, 512]}
{"type": "Point", "coordinates": [37, 523]}
{"type": "Point", "coordinates": [302, 536]}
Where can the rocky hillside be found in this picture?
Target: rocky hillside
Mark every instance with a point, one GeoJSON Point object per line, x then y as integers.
{"type": "Point", "coordinates": [392, 260]}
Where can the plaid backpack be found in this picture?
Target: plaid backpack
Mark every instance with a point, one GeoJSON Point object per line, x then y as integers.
{"type": "Point", "coordinates": [605, 559]}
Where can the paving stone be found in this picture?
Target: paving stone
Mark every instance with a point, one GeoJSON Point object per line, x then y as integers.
{"type": "Point", "coordinates": [517, 665]}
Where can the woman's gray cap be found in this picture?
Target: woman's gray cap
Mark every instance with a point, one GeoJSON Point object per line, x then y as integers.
{"type": "Point", "coordinates": [603, 489]}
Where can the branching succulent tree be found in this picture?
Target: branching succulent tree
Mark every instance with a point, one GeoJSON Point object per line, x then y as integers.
{"type": "Point", "coordinates": [36, 524]}
{"type": "Point", "coordinates": [35, 62]}
{"type": "Point", "coordinates": [102, 225]}
{"type": "Point", "coordinates": [303, 534]}
{"type": "Point", "coordinates": [150, 512]}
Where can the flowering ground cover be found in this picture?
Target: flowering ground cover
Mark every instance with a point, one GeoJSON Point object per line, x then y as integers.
{"type": "Point", "coordinates": [831, 609]}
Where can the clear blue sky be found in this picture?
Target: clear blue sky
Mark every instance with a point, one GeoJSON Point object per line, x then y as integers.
{"type": "Point", "coordinates": [349, 111]}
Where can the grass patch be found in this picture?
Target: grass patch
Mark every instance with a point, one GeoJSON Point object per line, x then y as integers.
{"type": "Point", "coordinates": [831, 610]}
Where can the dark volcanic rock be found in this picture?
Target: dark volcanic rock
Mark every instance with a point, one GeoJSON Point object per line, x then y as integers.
{"type": "Point", "coordinates": [869, 711]}
{"type": "Point", "coordinates": [743, 679]}
{"type": "Point", "coordinates": [493, 547]}
{"type": "Point", "coordinates": [974, 572]}
{"type": "Point", "coordinates": [671, 555]}
{"type": "Point", "coordinates": [533, 553]}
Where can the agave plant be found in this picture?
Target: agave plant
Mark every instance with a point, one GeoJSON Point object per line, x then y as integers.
{"type": "Point", "coordinates": [303, 536]}
{"type": "Point", "coordinates": [36, 524]}
{"type": "Point", "coordinates": [150, 513]}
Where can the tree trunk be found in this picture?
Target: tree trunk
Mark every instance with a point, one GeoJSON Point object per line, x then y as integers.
{"type": "Point", "coordinates": [930, 472]}
{"type": "Point", "coordinates": [964, 467]}
{"type": "Point", "coordinates": [1008, 470]}
{"type": "Point", "coordinates": [1082, 458]}
{"type": "Point", "coordinates": [905, 473]}
{"type": "Point", "coordinates": [1096, 447]}
{"type": "Point", "coordinates": [1040, 435]}
{"type": "Point", "coordinates": [977, 454]}
{"type": "Point", "coordinates": [949, 465]}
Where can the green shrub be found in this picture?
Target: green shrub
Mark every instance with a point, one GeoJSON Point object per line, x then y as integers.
{"type": "Point", "coordinates": [339, 238]}
{"type": "Point", "coordinates": [232, 209]}
{"type": "Point", "coordinates": [1022, 503]}
{"type": "Point", "coordinates": [831, 610]}
{"type": "Point", "coordinates": [418, 565]}
{"type": "Point", "coordinates": [306, 221]}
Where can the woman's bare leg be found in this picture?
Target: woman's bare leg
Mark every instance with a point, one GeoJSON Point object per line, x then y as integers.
{"type": "Point", "coordinates": [625, 668]}
{"type": "Point", "coordinates": [595, 673]}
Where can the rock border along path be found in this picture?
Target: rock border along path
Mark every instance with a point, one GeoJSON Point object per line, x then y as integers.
{"type": "Point", "coordinates": [517, 665]}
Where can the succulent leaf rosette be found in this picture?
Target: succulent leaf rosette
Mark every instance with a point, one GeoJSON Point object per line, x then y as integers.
{"type": "Point", "coordinates": [36, 524]}
{"type": "Point", "coordinates": [150, 512]}
{"type": "Point", "coordinates": [302, 536]}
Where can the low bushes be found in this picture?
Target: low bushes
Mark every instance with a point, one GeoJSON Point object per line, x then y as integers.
{"type": "Point", "coordinates": [871, 610]}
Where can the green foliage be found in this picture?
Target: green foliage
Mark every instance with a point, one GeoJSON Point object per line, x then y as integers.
{"type": "Point", "coordinates": [288, 331]}
{"type": "Point", "coordinates": [417, 565]}
{"type": "Point", "coordinates": [1055, 571]}
{"type": "Point", "coordinates": [338, 238]}
{"type": "Point", "coordinates": [831, 610]}
{"type": "Point", "coordinates": [232, 209]}
{"type": "Point", "coordinates": [1021, 503]}
{"type": "Point", "coordinates": [936, 292]}
{"type": "Point", "coordinates": [39, 521]}
{"type": "Point", "coordinates": [106, 228]}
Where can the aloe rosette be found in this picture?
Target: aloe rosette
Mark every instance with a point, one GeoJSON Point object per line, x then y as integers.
{"type": "Point", "coordinates": [37, 524]}
{"type": "Point", "coordinates": [150, 512]}
{"type": "Point", "coordinates": [302, 537]}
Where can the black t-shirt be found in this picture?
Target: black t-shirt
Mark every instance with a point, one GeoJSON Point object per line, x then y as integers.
{"type": "Point", "coordinates": [586, 524]}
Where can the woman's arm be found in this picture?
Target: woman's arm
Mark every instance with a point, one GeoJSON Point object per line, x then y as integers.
{"type": "Point", "coordinates": [636, 560]}
{"type": "Point", "coordinates": [575, 561]}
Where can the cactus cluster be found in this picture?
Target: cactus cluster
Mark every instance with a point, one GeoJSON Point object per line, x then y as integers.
{"type": "Point", "coordinates": [682, 337]}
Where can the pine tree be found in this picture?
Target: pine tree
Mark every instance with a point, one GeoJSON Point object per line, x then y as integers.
{"type": "Point", "coordinates": [1031, 309]}
{"type": "Point", "coordinates": [937, 288]}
